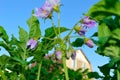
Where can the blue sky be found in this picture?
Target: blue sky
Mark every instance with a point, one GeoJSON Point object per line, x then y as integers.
{"type": "Point", "coordinates": [14, 13]}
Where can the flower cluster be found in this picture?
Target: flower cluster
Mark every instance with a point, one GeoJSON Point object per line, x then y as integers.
{"type": "Point", "coordinates": [46, 10]}
{"type": "Point", "coordinates": [81, 29]}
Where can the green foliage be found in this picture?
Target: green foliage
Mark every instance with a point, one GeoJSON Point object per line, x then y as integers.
{"type": "Point", "coordinates": [94, 75]}
{"type": "Point", "coordinates": [50, 33]}
{"type": "Point", "coordinates": [23, 35]}
{"type": "Point", "coordinates": [3, 60]}
{"type": "Point", "coordinates": [3, 34]}
{"type": "Point", "coordinates": [53, 31]}
{"type": "Point", "coordinates": [34, 27]}
{"type": "Point", "coordinates": [107, 13]}
{"type": "Point", "coordinates": [103, 9]}
{"type": "Point", "coordinates": [78, 42]}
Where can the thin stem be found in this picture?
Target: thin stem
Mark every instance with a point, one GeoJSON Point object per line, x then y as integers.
{"type": "Point", "coordinates": [53, 27]}
{"type": "Point", "coordinates": [59, 22]}
{"type": "Point", "coordinates": [71, 30]}
{"type": "Point", "coordinates": [52, 22]}
{"type": "Point", "coordinates": [48, 38]}
{"type": "Point", "coordinates": [65, 68]}
{"type": "Point", "coordinates": [39, 70]}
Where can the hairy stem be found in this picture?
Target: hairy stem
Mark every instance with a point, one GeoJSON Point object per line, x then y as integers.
{"type": "Point", "coordinates": [65, 68]}
{"type": "Point", "coordinates": [39, 70]}
{"type": "Point", "coordinates": [59, 22]}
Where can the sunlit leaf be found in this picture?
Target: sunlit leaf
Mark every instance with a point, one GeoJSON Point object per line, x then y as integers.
{"type": "Point", "coordinates": [3, 34]}
{"type": "Point", "coordinates": [105, 8]}
{"type": "Point", "coordinates": [115, 34]}
{"type": "Point", "coordinates": [23, 35]}
{"type": "Point", "coordinates": [34, 27]}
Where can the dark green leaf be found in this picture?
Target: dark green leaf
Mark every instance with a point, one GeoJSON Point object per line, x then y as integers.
{"type": "Point", "coordinates": [94, 75]}
{"type": "Point", "coordinates": [23, 35]}
{"type": "Point", "coordinates": [53, 31]}
{"type": "Point", "coordinates": [95, 34]}
{"type": "Point", "coordinates": [78, 42]}
{"type": "Point", "coordinates": [3, 34]}
{"type": "Point", "coordinates": [34, 26]}
{"type": "Point", "coordinates": [105, 69]}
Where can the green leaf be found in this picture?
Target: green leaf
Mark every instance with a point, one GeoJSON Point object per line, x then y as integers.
{"type": "Point", "coordinates": [105, 8]}
{"type": "Point", "coordinates": [78, 42]}
{"type": "Point", "coordinates": [111, 51]}
{"type": "Point", "coordinates": [103, 40]}
{"type": "Point", "coordinates": [21, 45]}
{"type": "Point", "coordinates": [53, 31]}
{"type": "Point", "coordinates": [103, 30]}
{"type": "Point", "coordinates": [105, 69]}
{"type": "Point", "coordinates": [4, 59]}
{"type": "Point", "coordinates": [103, 33]}
{"type": "Point", "coordinates": [94, 75]}
{"type": "Point", "coordinates": [116, 34]}
{"type": "Point", "coordinates": [3, 34]}
{"type": "Point", "coordinates": [114, 61]}
{"type": "Point", "coordinates": [19, 60]}
{"type": "Point", "coordinates": [34, 27]}
{"type": "Point", "coordinates": [23, 35]}
{"type": "Point", "coordinates": [95, 34]}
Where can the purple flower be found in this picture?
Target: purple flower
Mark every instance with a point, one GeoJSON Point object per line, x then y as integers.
{"type": "Point", "coordinates": [89, 43]}
{"type": "Point", "coordinates": [44, 11]}
{"type": "Point", "coordinates": [82, 31]}
{"type": "Point", "coordinates": [55, 4]}
{"type": "Point", "coordinates": [31, 44]}
{"type": "Point", "coordinates": [73, 56]}
{"type": "Point", "coordinates": [58, 55]}
{"type": "Point", "coordinates": [88, 22]}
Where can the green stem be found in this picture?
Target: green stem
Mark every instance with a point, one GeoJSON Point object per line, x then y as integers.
{"type": "Point", "coordinates": [52, 22]}
{"type": "Point", "coordinates": [59, 22]}
{"type": "Point", "coordinates": [65, 68]}
{"type": "Point", "coordinates": [71, 31]}
{"type": "Point", "coordinates": [118, 75]}
{"type": "Point", "coordinates": [39, 70]}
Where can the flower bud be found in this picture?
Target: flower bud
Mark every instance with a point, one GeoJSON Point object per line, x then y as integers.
{"type": "Point", "coordinates": [70, 51]}
{"type": "Point", "coordinates": [77, 28]}
{"type": "Point", "coordinates": [73, 56]}
{"type": "Point", "coordinates": [89, 43]}
{"type": "Point", "coordinates": [32, 65]}
{"type": "Point", "coordinates": [31, 44]}
{"type": "Point", "coordinates": [58, 55]}
{"type": "Point", "coordinates": [88, 22]}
